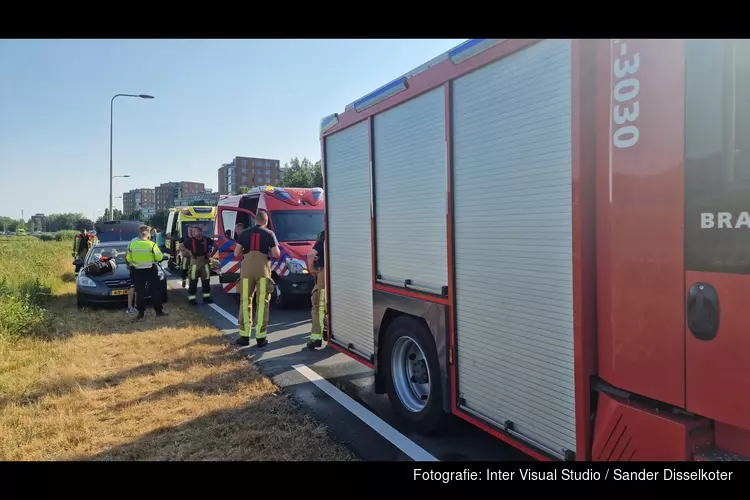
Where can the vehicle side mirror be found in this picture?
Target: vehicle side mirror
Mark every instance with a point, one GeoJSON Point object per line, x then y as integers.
{"type": "Point", "coordinates": [78, 263]}
{"type": "Point", "coordinates": [164, 258]}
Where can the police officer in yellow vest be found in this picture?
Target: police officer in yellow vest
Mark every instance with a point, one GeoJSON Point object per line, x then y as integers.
{"type": "Point", "coordinates": [142, 257]}
{"type": "Point", "coordinates": [316, 267]}
{"type": "Point", "coordinates": [257, 244]}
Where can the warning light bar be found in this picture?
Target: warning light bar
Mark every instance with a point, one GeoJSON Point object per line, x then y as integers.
{"type": "Point", "coordinates": [471, 48]}
{"type": "Point", "coordinates": [457, 55]}
{"type": "Point", "coordinates": [328, 122]}
{"type": "Point", "coordinates": [381, 94]}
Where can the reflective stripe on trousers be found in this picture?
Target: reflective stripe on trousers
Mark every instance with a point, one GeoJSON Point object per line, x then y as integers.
{"type": "Point", "coordinates": [255, 282]}
{"type": "Point", "coordinates": [318, 300]}
{"type": "Point", "coordinates": [200, 267]}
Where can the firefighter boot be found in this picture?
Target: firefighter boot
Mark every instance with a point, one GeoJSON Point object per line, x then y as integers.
{"type": "Point", "coordinates": [206, 291]}
{"type": "Point", "coordinates": [314, 344]}
{"type": "Point", "coordinates": [318, 312]}
{"type": "Point", "coordinates": [243, 341]}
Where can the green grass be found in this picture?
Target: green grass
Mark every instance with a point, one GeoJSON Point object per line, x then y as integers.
{"type": "Point", "coordinates": [30, 272]}
{"type": "Point", "coordinates": [94, 385]}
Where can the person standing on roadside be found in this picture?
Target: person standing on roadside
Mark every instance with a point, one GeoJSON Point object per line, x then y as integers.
{"type": "Point", "coordinates": [200, 248]}
{"type": "Point", "coordinates": [81, 245]}
{"type": "Point", "coordinates": [131, 290]}
{"type": "Point", "coordinates": [316, 267]}
{"type": "Point", "coordinates": [143, 256]}
{"type": "Point", "coordinates": [257, 245]}
{"type": "Point", "coordinates": [185, 257]}
{"type": "Point", "coordinates": [161, 241]}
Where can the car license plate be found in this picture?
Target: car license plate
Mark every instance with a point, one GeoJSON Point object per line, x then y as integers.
{"type": "Point", "coordinates": [118, 292]}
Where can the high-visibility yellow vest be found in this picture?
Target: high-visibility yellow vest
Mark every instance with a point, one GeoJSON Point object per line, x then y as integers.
{"type": "Point", "coordinates": [142, 254]}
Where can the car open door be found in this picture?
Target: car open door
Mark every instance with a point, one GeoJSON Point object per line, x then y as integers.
{"type": "Point", "coordinates": [224, 235]}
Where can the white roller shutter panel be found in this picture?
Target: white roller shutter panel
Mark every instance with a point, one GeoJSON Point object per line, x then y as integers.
{"type": "Point", "coordinates": [347, 166]}
{"type": "Point", "coordinates": [513, 250]}
{"type": "Point", "coordinates": [410, 192]}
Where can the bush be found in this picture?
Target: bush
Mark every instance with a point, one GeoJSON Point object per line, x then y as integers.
{"type": "Point", "coordinates": [65, 235]}
{"type": "Point", "coordinates": [30, 270]}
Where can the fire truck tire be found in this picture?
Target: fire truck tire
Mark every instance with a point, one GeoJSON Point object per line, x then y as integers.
{"type": "Point", "coordinates": [412, 375]}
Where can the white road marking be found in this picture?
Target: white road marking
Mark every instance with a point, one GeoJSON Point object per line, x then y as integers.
{"type": "Point", "coordinates": [225, 314]}
{"type": "Point", "coordinates": [403, 443]}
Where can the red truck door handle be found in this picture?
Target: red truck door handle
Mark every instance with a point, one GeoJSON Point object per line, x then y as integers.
{"type": "Point", "coordinates": [703, 313]}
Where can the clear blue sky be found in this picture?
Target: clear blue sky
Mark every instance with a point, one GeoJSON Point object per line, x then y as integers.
{"type": "Point", "coordinates": [215, 99]}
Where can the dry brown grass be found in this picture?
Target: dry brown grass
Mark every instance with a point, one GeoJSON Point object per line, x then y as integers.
{"type": "Point", "coordinates": [164, 389]}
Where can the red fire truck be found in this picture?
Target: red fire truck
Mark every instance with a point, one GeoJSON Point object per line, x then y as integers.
{"type": "Point", "coordinates": [551, 240]}
{"type": "Point", "coordinates": [295, 215]}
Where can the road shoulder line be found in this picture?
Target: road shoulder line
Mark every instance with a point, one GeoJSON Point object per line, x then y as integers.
{"type": "Point", "coordinates": [403, 443]}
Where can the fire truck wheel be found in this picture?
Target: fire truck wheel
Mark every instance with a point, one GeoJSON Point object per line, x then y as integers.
{"type": "Point", "coordinates": [412, 375]}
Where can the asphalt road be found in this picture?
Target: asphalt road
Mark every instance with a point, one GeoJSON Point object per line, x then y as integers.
{"type": "Point", "coordinates": [288, 332]}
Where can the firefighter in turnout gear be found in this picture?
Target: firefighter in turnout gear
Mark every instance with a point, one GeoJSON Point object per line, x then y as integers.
{"type": "Point", "coordinates": [258, 245]}
{"type": "Point", "coordinates": [142, 257]}
{"type": "Point", "coordinates": [81, 245]}
{"type": "Point", "coordinates": [184, 253]}
{"type": "Point", "coordinates": [200, 249]}
{"type": "Point", "coordinates": [316, 267]}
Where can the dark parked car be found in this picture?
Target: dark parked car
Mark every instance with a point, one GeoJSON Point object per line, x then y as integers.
{"type": "Point", "coordinates": [110, 288]}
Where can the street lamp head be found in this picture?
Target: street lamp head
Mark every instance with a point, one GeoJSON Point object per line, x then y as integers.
{"type": "Point", "coordinates": [126, 176]}
{"type": "Point", "coordinates": [145, 96]}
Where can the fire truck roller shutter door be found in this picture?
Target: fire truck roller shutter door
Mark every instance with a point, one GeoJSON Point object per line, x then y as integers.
{"type": "Point", "coordinates": [512, 171]}
{"type": "Point", "coordinates": [347, 165]}
{"type": "Point", "coordinates": [410, 179]}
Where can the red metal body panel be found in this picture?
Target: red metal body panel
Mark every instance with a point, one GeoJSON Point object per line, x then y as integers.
{"type": "Point", "coordinates": [583, 159]}
{"type": "Point", "coordinates": [732, 439]}
{"type": "Point", "coordinates": [640, 245]}
{"type": "Point", "coordinates": [449, 229]}
{"type": "Point", "coordinates": [626, 431]}
{"type": "Point", "coordinates": [718, 371]}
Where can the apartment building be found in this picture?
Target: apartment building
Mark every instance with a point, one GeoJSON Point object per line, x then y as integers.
{"type": "Point", "coordinates": [247, 171]}
{"type": "Point", "coordinates": [168, 192]}
{"type": "Point", "coordinates": [136, 199]}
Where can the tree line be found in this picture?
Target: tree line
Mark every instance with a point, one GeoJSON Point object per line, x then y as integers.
{"type": "Point", "coordinates": [296, 173]}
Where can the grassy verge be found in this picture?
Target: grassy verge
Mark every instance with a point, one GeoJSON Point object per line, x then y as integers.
{"type": "Point", "coordinates": [93, 385]}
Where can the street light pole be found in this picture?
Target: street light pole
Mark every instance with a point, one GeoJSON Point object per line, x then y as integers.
{"type": "Point", "coordinates": [111, 113]}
